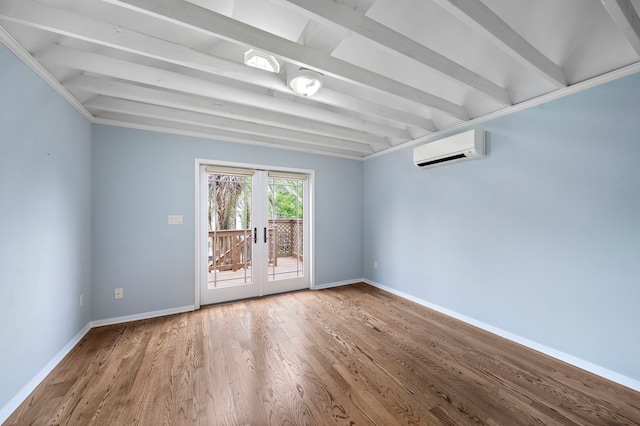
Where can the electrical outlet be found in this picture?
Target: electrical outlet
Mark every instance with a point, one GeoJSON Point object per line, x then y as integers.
{"type": "Point", "coordinates": [81, 299]}
{"type": "Point", "coordinates": [375, 264]}
{"type": "Point", "coordinates": [119, 293]}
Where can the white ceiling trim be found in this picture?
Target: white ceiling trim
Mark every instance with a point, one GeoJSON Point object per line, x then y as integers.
{"type": "Point", "coordinates": [105, 103]}
{"type": "Point", "coordinates": [154, 125]}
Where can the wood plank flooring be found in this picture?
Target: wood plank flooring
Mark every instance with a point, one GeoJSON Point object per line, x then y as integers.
{"type": "Point", "coordinates": [352, 355]}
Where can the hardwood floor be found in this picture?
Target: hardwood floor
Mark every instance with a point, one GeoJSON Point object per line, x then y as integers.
{"type": "Point", "coordinates": [349, 355]}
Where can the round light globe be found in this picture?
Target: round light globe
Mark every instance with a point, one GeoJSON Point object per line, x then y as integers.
{"type": "Point", "coordinates": [305, 82]}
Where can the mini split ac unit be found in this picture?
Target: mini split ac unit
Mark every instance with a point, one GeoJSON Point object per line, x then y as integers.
{"type": "Point", "coordinates": [462, 146]}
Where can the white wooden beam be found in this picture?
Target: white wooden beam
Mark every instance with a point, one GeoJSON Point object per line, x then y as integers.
{"type": "Point", "coordinates": [45, 17]}
{"type": "Point", "coordinates": [327, 39]}
{"type": "Point", "coordinates": [115, 68]}
{"type": "Point", "coordinates": [482, 19]}
{"type": "Point", "coordinates": [22, 54]}
{"type": "Point", "coordinates": [336, 15]}
{"type": "Point", "coordinates": [104, 103]}
{"type": "Point", "coordinates": [322, 37]}
{"type": "Point", "coordinates": [59, 21]}
{"type": "Point", "coordinates": [627, 20]}
{"type": "Point", "coordinates": [360, 106]}
{"type": "Point", "coordinates": [188, 14]}
{"type": "Point", "coordinates": [132, 92]}
{"type": "Point", "coordinates": [361, 6]}
{"type": "Point", "coordinates": [153, 124]}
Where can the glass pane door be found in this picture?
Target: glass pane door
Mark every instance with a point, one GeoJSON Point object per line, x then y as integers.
{"type": "Point", "coordinates": [286, 248]}
{"type": "Point", "coordinates": [229, 223]}
{"type": "Point", "coordinates": [256, 233]}
{"type": "Point", "coordinates": [287, 210]}
{"type": "Point", "coordinates": [230, 254]}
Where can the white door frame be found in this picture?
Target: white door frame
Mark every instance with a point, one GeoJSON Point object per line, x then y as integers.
{"type": "Point", "coordinates": [201, 224]}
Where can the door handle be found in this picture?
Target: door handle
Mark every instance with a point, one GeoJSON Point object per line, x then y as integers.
{"type": "Point", "coordinates": [255, 235]}
{"type": "Point", "coordinates": [265, 234]}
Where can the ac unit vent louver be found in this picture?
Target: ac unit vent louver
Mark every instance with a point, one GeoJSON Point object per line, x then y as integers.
{"type": "Point", "coordinates": [459, 147]}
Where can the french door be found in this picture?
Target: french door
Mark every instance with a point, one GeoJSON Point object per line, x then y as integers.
{"type": "Point", "coordinates": [254, 232]}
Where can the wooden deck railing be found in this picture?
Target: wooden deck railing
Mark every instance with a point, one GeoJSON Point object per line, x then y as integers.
{"type": "Point", "coordinates": [230, 250]}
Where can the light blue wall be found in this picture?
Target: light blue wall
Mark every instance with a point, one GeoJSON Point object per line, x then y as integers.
{"type": "Point", "coordinates": [45, 245]}
{"type": "Point", "coordinates": [141, 177]}
{"type": "Point", "coordinates": [541, 238]}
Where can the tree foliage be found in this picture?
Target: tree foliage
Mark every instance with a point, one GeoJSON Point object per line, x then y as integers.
{"type": "Point", "coordinates": [285, 198]}
{"type": "Point", "coordinates": [229, 201]}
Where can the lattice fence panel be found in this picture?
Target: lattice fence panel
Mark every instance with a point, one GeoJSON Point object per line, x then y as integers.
{"type": "Point", "coordinates": [289, 240]}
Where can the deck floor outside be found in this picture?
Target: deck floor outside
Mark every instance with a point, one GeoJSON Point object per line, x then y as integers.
{"type": "Point", "coordinates": [287, 267]}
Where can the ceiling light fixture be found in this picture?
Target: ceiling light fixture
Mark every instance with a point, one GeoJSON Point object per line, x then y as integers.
{"type": "Point", "coordinates": [264, 61]}
{"type": "Point", "coordinates": [305, 82]}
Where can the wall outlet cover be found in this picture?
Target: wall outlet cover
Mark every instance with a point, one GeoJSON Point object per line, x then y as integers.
{"type": "Point", "coordinates": [175, 219]}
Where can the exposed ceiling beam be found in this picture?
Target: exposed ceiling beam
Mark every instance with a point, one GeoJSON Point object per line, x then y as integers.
{"type": "Point", "coordinates": [322, 37]}
{"type": "Point", "coordinates": [336, 15]}
{"type": "Point", "coordinates": [142, 74]}
{"type": "Point", "coordinates": [626, 18]}
{"type": "Point", "coordinates": [325, 38]}
{"type": "Point", "coordinates": [22, 53]}
{"type": "Point", "coordinates": [482, 19]}
{"type": "Point", "coordinates": [360, 5]}
{"type": "Point", "coordinates": [104, 103]}
{"type": "Point", "coordinates": [117, 89]}
{"type": "Point", "coordinates": [41, 16]}
{"type": "Point", "coordinates": [185, 13]}
{"type": "Point", "coordinates": [56, 20]}
{"type": "Point", "coordinates": [153, 124]}
{"type": "Point", "coordinates": [351, 103]}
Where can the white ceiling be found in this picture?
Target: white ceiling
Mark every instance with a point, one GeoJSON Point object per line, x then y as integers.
{"type": "Point", "coordinates": [395, 71]}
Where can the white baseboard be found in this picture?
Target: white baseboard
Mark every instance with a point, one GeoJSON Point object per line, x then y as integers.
{"type": "Point", "coordinates": [24, 393]}
{"type": "Point", "coordinates": [338, 284]}
{"type": "Point", "coordinates": [142, 316]}
{"type": "Point", "coordinates": [15, 402]}
{"type": "Point", "coordinates": [569, 359]}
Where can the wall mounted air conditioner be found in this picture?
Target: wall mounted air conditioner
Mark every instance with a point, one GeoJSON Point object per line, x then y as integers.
{"type": "Point", "coordinates": [462, 146]}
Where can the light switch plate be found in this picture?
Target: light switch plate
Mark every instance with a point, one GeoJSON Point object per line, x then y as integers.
{"type": "Point", "coordinates": [175, 219]}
